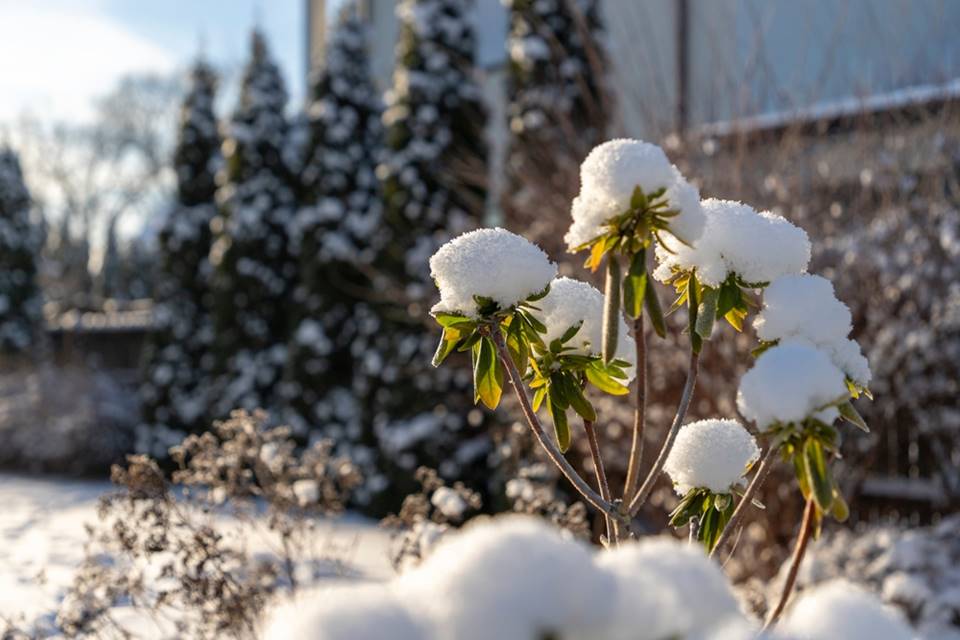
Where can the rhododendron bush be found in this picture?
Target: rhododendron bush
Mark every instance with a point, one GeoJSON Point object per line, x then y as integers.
{"type": "Point", "coordinates": [557, 342]}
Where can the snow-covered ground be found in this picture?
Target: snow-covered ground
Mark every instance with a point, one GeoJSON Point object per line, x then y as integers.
{"type": "Point", "coordinates": [42, 535]}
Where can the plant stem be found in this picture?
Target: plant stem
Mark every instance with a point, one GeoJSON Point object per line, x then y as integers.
{"type": "Point", "coordinates": [806, 528]}
{"type": "Point", "coordinates": [639, 413]}
{"type": "Point", "coordinates": [548, 445]}
{"type": "Point", "coordinates": [766, 464]}
{"type": "Point", "coordinates": [647, 487]}
{"type": "Point", "coordinates": [694, 530]}
{"type": "Point", "coordinates": [613, 533]}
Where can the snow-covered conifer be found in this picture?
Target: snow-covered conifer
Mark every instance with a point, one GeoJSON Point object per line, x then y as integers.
{"type": "Point", "coordinates": [434, 178]}
{"type": "Point", "coordinates": [20, 301]}
{"type": "Point", "coordinates": [338, 230]}
{"type": "Point", "coordinates": [174, 394]}
{"type": "Point", "coordinates": [254, 269]}
{"type": "Point", "coordinates": [558, 105]}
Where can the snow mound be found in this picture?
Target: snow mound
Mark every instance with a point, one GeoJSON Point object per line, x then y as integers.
{"type": "Point", "coordinates": [841, 609]}
{"type": "Point", "coordinates": [757, 246]}
{"type": "Point", "coordinates": [710, 454]}
{"type": "Point", "coordinates": [517, 577]}
{"type": "Point", "coordinates": [491, 263]}
{"type": "Point", "coordinates": [788, 383]}
{"type": "Point", "coordinates": [608, 177]}
{"type": "Point", "coordinates": [804, 307]}
{"type": "Point", "coordinates": [572, 302]}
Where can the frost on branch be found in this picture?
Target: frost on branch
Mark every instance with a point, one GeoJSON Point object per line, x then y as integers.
{"type": "Point", "coordinates": [805, 307]}
{"type": "Point", "coordinates": [756, 247]}
{"type": "Point", "coordinates": [840, 609]}
{"type": "Point", "coordinates": [572, 303]}
{"type": "Point", "coordinates": [711, 454]}
{"type": "Point", "coordinates": [609, 179]}
{"type": "Point", "coordinates": [488, 263]}
{"type": "Point", "coordinates": [789, 383]}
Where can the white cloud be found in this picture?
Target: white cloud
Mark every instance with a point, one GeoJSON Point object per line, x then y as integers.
{"type": "Point", "coordinates": [57, 56]}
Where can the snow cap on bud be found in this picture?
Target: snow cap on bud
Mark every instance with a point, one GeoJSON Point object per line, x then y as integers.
{"type": "Point", "coordinates": [488, 263]}
{"type": "Point", "coordinates": [608, 178]}
{"type": "Point", "coordinates": [789, 383]}
{"type": "Point", "coordinates": [710, 454]}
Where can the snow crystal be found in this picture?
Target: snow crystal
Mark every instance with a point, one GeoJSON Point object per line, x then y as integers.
{"type": "Point", "coordinates": [710, 454]}
{"type": "Point", "coordinates": [805, 306]}
{"type": "Point", "coordinates": [756, 246]}
{"type": "Point", "coordinates": [571, 302]}
{"type": "Point", "coordinates": [448, 502]}
{"type": "Point", "coordinates": [492, 263]}
{"type": "Point", "coordinates": [610, 174]}
{"type": "Point", "coordinates": [841, 609]}
{"type": "Point", "coordinates": [788, 383]}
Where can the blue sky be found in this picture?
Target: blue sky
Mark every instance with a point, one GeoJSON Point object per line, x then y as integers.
{"type": "Point", "coordinates": [62, 53]}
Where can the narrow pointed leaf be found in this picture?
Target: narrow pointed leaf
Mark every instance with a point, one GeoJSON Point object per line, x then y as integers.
{"type": "Point", "coordinates": [654, 311]}
{"type": "Point", "coordinates": [816, 466]}
{"type": "Point", "coordinates": [487, 374]}
{"type": "Point", "coordinates": [561, 426]}
{"type": "Point", "coordinates": [601, 380]}
{"type": "Point", "coordinates": [611, 308]}
{"type": "Point", "coordinates": [707, 312]}
{"type": "Point", "coordinates": [850, 414]}
{"type": "Point", "coordinates": [578, 401]}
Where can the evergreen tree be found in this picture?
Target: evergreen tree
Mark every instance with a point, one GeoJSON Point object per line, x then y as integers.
{"type": "Point", "coordinates": [435, 177]}
{"type": "Point", "coordinates": [252, 255]}
{"type": "Point", "coordinates": [20, 300]}
{"type": "Point", "coordinates": [557, 109]}
{"type": "Point", "coordinates": [175, 392]}
{"type": "Point", "coordinates": [338, 230]}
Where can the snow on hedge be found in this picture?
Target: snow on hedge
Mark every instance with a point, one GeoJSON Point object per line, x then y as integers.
{"type": "Point", "coordinates": [710, 454]}
{"type": "Point", "coordinates": [841, 609]}
{"type": "Point", "coordinates": [571, 302]}
{"type": "Point", "coordinates": [610, 174]}
{"type": "Point", "coordinates": [758, 247]}
{"type": "Point", "coordinates": [788, 383]}
{"type": "Point", "coordinates": [804, 307]}
{"type": "Point", "coordinates": [491, 263]}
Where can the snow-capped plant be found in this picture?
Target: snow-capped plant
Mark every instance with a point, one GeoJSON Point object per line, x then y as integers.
{"type": "Point", "coordinates": [496, 302]}
{"type": "Point", "coordinates": [707, 465]}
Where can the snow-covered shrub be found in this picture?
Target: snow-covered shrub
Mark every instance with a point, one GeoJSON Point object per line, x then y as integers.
{"type": "Point", "coordinates": [20, 243]}
{"type": "Point", "coordinates": [253, 263]}
{"type": "Point", "coordinates": [717, 255]}
{"type": "Point", "coordinates": [843, 610]}
{"type": "Point", "coordinates": [175, 391]}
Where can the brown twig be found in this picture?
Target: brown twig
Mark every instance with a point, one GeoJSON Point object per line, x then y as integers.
{"type": "Point", "coordinates": [639, 413]}
{"type": "Point", "coordinates": [553, 452]}
{"type": "Point", "coordinates": [806, 528]}
{"type": "Point", "coordinates": [766, 464]}
{"type": "Point", "coordinates": [613, 533]}
{"type": "Point", "coordinates": [647, 487]}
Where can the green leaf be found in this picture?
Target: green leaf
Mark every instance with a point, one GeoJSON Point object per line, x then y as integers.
{"type": "Point", "coordinates": [728, 297]}
{"type": "Point", "coordinates": [707, 312]}
{"type": "Point", "coordinates": [611, 308]}
{"type": "Point", "coordinates": [517, 345]}
{"type": "Point", "coordinates": [448, 343]}
{"type": "Point", "coordinates": [688, 509]}
{"type": "Point", "coordinates": [487, 374]}
{"type": "Point", "coordinates": [538, 396]}
{"type": "Point", "coordinates": [815, 463]}
{"type": "Point", "coordinates": [541, 295]}
{"type": "Point", "coordinates": [561, 426]}
{"type": "Point", "coordinates": [452, 319]}
{"type": "Point", "coordinates": [639, 199]}
{"type": "Point", "coordinates": [557, 392]}
{"type": "Point", "coordinates": [638, 264]}
{"type": "Point", "coordinates": [602, 380]}
{"type": "Point", "coordinates": [570, 333]}
{"type": "Point", "coordinates": [654, 311]}
{"type": "Point", "coordinates": [578, 401]}
{"type": "Point", "coordinates": [850, 414]}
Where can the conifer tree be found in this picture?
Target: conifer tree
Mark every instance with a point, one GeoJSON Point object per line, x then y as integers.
{"type": "Point", "coordinates": [435, 177]}
{"type": "Point", "coordinates": [252, 255]}
{"type": "Point", "coordinates": [175, 392]}
{"type": "Point", "coordinates": [338, 230]}
{"type": "Point", "coordinates": [557, 108]}
{"type": "Point", "coordinates": [20, 300]}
